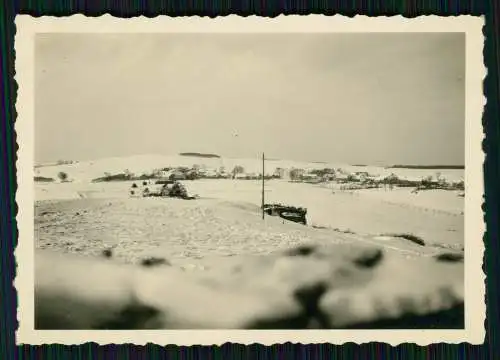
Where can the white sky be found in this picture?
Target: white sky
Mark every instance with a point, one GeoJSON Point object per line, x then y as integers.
{"type": "Point", "coordinates": [354, 98]}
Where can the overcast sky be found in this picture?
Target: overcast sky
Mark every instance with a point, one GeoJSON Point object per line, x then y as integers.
{"type": "Point", "coordinates": [351, 98]}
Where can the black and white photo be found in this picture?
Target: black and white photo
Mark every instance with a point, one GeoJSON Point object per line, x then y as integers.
{"type": "Point", "coordinates": [220, 178]}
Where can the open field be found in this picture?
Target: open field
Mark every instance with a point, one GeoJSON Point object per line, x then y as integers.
{"type": "Point", "coordinates": [356, 262]}
{"type": "Point", "coordinates": [85, 171]}
{"type": "Point", "coordinates": [435, 216]}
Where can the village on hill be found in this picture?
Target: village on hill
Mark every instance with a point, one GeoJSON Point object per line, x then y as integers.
{"type": "Point", "coordinates": [352, 180]}
{"type": "Point", "coordinates": [191, 182]}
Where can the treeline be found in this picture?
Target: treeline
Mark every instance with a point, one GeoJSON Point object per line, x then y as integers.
{"type": "Point", "coordinates": [201, 155]}
{"type": "Point", "coordinates": [43, 179]}
{"type": "Point", "coordinates": [432, 167]}
{"type": "Point", "coordinates": [62, 176]}
{"type": "Point", "coordinates": [123, 177]}
{"type": "Point", "coordinates": [57, 163]}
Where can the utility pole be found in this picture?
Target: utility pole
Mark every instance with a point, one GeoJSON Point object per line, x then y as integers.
{"type": "Point", "coordinates": [263, 175]}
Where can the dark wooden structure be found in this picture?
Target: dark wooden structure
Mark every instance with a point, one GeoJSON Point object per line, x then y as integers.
{"type": "Point", "coordinates": [290, 213]}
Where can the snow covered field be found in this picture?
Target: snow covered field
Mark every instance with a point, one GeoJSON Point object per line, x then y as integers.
{"type": "Point", "coordinates": [434, 215]}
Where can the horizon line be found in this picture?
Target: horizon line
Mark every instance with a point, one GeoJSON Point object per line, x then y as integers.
{"type": "Point", "coordinates": [318, 162]}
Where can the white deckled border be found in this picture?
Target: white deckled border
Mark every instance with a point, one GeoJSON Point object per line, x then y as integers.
{"type": "Point", "coordinates": [475, 308]}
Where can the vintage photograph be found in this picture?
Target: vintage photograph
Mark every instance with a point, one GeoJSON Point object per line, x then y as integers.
{"type": "Point", "coordinates": [250, 180]}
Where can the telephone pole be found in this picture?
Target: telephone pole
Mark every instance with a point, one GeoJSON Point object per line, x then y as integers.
{"type": "Point", "coordinates": [263, 175]}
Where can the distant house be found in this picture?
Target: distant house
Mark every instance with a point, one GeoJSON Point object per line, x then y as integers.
{"type": "Point", "coordinates": [172, 175]}
{"type": "Point", "coordinates": [379, 178]}
{"type": "Point", "coordinates": [362, 176]}
{"type": "Point", "coordinates": [247, 176]}
{"type": "Point", "coordinates": [328, 177]}
{"type": "Point", "coordinates": [279, 173]}
{"type": "Point", "coordinates": [210, 173]}
{"type": "Point", "coordinates": [192, 174]}
{"type": "Point", "coordinates": [286, 174]}
{"type": "Point", "coordinates": [308, 176]}
{"type": "Point", "coordinates": [224, 174]}
{"type": "Point", "coordinates": [201, 172]}
{"type": "Point", "coordinates": [163, 173]}
{"type": "Point", "coordinates": [342, 177]}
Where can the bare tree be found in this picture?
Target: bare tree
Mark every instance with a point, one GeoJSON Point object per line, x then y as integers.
{"type": "Point", "coordinates": [62, 176]}
{"type": "Point", "coordinates": [296, 174]}
{"type": "Point", "coordinates": [238, 169]}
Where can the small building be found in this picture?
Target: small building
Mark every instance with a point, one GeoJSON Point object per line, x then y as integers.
{"type": "Point", "coordinates": [163, 173]}
{"type": "Point", "coordinates": [328, 177]}
{"type": "Point", "coordinates": [172, 175]}
{"type": "Point", "coordinates": [279, 173]}
{"type": "Point", "coordinates": [210, 173]}
{"type": "Point", "coordinates": [309, 177]}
